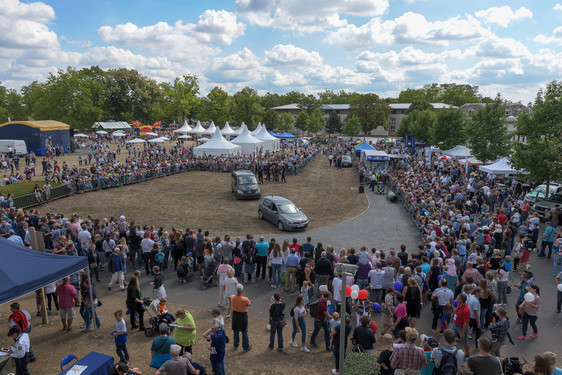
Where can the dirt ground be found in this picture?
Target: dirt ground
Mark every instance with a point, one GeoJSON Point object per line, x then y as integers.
{"type": "Point", "coordinates": [50, 344]}
{"type": "Point", "coordinates": [204, 200]}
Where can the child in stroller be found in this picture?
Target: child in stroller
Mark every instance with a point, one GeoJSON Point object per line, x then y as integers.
{"type": "Point", "coordinates": [208, 278]}
{"type": "Point", "coordinates": [158, 318]}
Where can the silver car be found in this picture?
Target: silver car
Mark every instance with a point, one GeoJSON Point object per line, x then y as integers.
{"type": "Point", "coordinates": [283, 213]}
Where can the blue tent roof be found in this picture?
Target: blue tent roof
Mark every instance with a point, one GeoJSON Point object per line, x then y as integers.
{"type": "Point", "coordinates": [364, 146]}
{"type": "Point", "coordinates": [283, 135]}
{"type": "Point", "coordinates": [23, 270]}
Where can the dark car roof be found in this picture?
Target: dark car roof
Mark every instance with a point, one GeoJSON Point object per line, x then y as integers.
{"type": "Point", "coordinates": [242, 173]}
{"type": "Point", "coordinates": [277, 199]}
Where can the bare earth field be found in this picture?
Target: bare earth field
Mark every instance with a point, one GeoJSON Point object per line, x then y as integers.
{"type": "Point", "coordinates": [204, 200]}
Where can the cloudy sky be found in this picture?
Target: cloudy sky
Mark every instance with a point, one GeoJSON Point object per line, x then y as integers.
{"type": "Point", "coordinates": [381, 46]}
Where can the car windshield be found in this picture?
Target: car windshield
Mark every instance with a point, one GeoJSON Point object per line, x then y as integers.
{"type": "Point", "coordinates": [287, 208]}
{"type": "Point", "coordinates": [346, 158]}
{"type": "Point", "coordinates": [247, 180]}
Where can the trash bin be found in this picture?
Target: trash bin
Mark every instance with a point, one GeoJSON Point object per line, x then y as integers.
{"type": "Point", "coordinates": [361, 188]}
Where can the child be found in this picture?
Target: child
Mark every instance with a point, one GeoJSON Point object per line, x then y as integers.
{"type": "Point", "coordinates": [120, 335]}
{"type": "Point", "coordinates": [216, 313]}
{"type": "Point", "coordinates": [507, 263]}
{"type": "Point", "coordinates": [445, 319]}
{"type": "Point", "coordinates": [304, 292]}
{"type": "Point", "coordinates": [163, 310]}
{"type": "Point", "coordinates": [184, 270]}
{"type": "Point", "coordinates": [334, 323]}
{"type": "Point", "coordinates": [384, 358]}
{"type": "Point", "coordinates": [428, 345]}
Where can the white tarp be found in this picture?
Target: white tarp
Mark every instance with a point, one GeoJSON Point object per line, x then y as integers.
{"type": "Point", "coordinates": [248, 142]}
{"type": "Point", "coordinates": [217, 146]}
{"type": "Point", "coordinates": [502, 166]}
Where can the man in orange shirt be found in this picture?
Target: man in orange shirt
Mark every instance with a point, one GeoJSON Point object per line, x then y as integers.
{"type": "Point", "coordinates": [240, 318]}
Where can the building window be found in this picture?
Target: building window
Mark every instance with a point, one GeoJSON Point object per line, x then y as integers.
{"type": "Point", "coordinates": [393, 120]}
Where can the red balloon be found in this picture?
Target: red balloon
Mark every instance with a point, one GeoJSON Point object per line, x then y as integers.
{"type": "Point", "coordinates": [363, 294]}
{"type": "Point", "coordinates": [347, 290]}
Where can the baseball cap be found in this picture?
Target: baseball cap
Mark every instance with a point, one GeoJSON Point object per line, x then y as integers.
{"type": "Point", "coordinates": [11, 231]}
{"type": "Point", "coordinates": [189, 254]}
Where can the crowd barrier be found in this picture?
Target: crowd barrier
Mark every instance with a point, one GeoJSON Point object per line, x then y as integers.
{"type": "Point", "coordinates": [408, 206]}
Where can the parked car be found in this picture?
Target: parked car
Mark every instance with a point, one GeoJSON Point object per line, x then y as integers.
{"type": "Point", "coordinates": [539, 192]}
{"type": "Point", "coordinates": [545, 205]}
{"type": "Point", "coordinates": [244, 185]}
{"type": "Point", "coordinates": [282, 212]}
{"type": "Point", "coordinates": [346, 161]}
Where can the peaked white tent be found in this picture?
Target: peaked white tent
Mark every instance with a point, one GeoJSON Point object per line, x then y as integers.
{"type": "Point", "coordinates": [136, 140]}
{"type": "Point", "coordinates": [458, 152]}
{"type": "Point", "coordinates": [238, 131]}
{"type": "Point", "coordinates": [270, 143]}
{"type": "Point", "coordinates": [198, 129]}
{"type": "Point", "coordinates": [227, 131]}
{"type": "Point", "coordinates": [248, 142]}
{"type": "Point", "coordinates": [256, 130]}
{"type": "Point", "coordinates": [184, 129]}
{"type": "Point", "coordinates": [502, 166]}
{"type": "Point", "coordinates": [211, 129]}
{"type": "Point", "coordinates": [217, 146]}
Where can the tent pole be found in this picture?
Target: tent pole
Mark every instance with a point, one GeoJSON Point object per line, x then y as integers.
{"type": "Point", "coordinates": [91, 298]}
{"type": "Point", "coordinates": [44, 317]}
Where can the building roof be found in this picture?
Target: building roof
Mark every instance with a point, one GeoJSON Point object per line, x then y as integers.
{"type": "Point", "coordinates": [43, 125]}
{"type": "Point", "coordinates": [111, 125]}
{"type": "Point", "coordinates": [288, 106]}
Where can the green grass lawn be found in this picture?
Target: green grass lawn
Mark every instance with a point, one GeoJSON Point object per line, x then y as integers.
{"type": "Point", "coordinates": [23, 188]}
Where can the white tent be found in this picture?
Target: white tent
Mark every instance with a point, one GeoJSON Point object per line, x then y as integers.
{"type": "Point", "coordinates": [238, 131]}
{"type": "Point", "coordinates": [256, 130]}
{"type": "Point", "coordinates": [118, 134]}
{"type": "Point", "coordinates": [101, 132]}
{"type": "Point", "coordinates": [459, 152]}
{"type": "Point", "coordinates": [198, 129]}
{"type": "Point", "coordinates": [227, 131]}
{"type": "Point", "coordinates": [136, 140]}
{"type": "Point", "coordinates": [80, 135]}
{"type": "Point", "coordinates": [184, 137]}
{"type": "Point", "coordinates": [248, 142]}
{"type": "Point", "coordinates": [211, 129]}
{"type": "Point", "coordinates": [164, 138]}
{"type": "Point", "coordinates": [217, 146]}
{"type": "Point", "coordinates": [111, 125]}
{"type": "Point", "coordinates": [502, 166]}
{"type": "Point", "coordinates": [184, 129]}
{"type": "Point", "coordinates": [270, 143]}
{"type": "Point", "coordinates": [155, 140]}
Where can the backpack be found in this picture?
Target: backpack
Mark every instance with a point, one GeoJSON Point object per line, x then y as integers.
{"type": "Point", "coordinates": [250, 256]}
{"type": "Point", "coordinates": [159, 256]}
{"type": "Point", "coordinates": [448, 364]}
{"type": "Point", "coordinates": [511, 366]}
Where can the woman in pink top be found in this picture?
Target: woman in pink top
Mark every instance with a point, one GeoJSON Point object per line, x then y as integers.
{"type": "Point", "coordinates": [400, 316]}
{"type": "Point", "coordinates": [531, 312]}
{"type": "Point", "coordinates": [222, 272]}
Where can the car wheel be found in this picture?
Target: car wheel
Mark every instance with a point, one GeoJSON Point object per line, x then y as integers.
{"type": "Point", "coordinates": [260, 214]}
{"type": "Point", "coordinates": [280, 225]}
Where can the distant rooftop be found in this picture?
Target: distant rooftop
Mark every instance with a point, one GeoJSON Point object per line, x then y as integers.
{"type": "Point", "coordinates": [295, 106]}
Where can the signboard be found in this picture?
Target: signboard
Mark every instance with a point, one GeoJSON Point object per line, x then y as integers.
{"type": "Point", "coordinates": [377, 158]}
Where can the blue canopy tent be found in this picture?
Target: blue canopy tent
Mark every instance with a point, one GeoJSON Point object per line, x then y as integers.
{"type": "Point", "coordinates": [361, 147]}
{"type": "Point", "coordinates": [283, 135]}
{"type": "Point", "coordinates": [23, 270]}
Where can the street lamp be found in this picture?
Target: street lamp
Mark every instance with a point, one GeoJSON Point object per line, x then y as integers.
{"type": "Point", "coordinates": [344, 270]}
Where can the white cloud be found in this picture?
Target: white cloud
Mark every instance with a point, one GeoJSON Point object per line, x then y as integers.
{"type": "Point", "coordinates": [307, 16]}
{"type": "Point", "coordinates": [408, 28]}
{"type": "Point", "coordinates": [558, 6]}
{"type": "Point", "coordinates": [243, 66]}
{"type": "Point", "coordinates": [504, 15]}
{"type": "Point", "coordinates": [498, 48]}
{"type": "Point", "coordinates": [220, 26]}
{"type": "Point", "coordinates": [288, 54]}
{"type": "Point", "coordinates": [556, 37]}
{"type": "Point", "coordinates": [37, 12]}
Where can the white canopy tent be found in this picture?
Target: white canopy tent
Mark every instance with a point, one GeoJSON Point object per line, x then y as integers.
{"type": "Point", "coordinates": [238, 131]}
{"type": "Point", "coordinates": [500, 167]}
{"type": "Point", "coordinates": [164, 138]}
{"type": "Point", "coordinates": [248, 142]}
{"type": "Point", "coordinates": [270, 143]}
{"type": "Point", "coordinates": [155, 140]}
{"type": "Point", "coordinates": [459, 152]}
{"type": "Point", "coordinates": [217, 146]}
{"type": "Point", "coordinates": [111, 125]}
{"type": "Point", "coordinates": [118, 134]}
{"type": "Point", "coordinates": [102, 132]}
{"type": "Point", "coordinates": [211, 129]}
{"type": "Point", "coordinates": [227, 131]}
{"type": "Point", "coordinates": [198, 129]}
{"type": "Point", "coordinates": [256, 130]}
{"type": "Point", "coordinates": [184, 129]}
{"type": "Point", "coordinates": [80, 135]}
{"type": "Point", "coordinates": [185, 136]}
{"type": "Point", "coordinates": [136, 140]}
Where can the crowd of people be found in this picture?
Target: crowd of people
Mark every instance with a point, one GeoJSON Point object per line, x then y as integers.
{"type": "Point", "coordinates": [476, 233]}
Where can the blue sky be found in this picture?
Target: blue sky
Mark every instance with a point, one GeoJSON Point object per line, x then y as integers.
{"type": "Point", "coordinates": [381, 46]}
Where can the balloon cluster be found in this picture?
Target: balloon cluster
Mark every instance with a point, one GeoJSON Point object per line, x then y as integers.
{"type": "Point", "coordinates": [355, 293]}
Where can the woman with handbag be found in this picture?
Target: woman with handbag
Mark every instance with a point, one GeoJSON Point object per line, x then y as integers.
{"type": "Point", "coordinates": [277, 321]}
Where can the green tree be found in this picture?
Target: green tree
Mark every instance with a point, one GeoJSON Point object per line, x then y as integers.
{"type": "Point", "coordinates": [291, 98]}
{"type": "Point", "coordinates": [316, 121]}
{"type": "Point", "coordinates": [540, 152]}
{"type": "Point", "coordinates": [179, 100]}
{"type": "Point", "coordinates": [286, 121]}
{"type": "Point", "coordinates": [448, 130]}
{"type": "Point", "coordinates": [216, 106]}
{"type": "Point", "coordinates": [352, 127]}
{"type": "Point", "coordinates": [309, 103]}
{"type": "Point", "coordinates": [271, 119]}
{"type": "Point", "coordinates": [301, 121]}
{"type": "Point", "coordinates": [422, 123]}
{"type": "Point", "coordinates": [247, 108]}
{"type": "Point", "coordinates": [333, 125]}
{"type": "Point", "coordinates": [371, 111]}
{"type": "Point", "coordinates": [458, 94]}
{"type": "Point", "coordinates": [487, 132]}
{"type": "Point", "coordinates": [419, 105]}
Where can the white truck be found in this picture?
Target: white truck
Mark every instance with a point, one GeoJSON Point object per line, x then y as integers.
{"type": "Point", "coordinates": [17, 145]}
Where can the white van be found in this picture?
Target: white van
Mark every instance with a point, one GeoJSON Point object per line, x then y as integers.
{"type": "Point", "coordinates": [18, 146]}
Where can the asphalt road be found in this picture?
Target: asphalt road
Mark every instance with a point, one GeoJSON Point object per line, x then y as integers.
{"type": "Point", "coordinates": [384, 225]}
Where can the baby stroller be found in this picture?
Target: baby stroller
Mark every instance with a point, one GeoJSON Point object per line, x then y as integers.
{"type": "Point", "coordinates": [155, 318]}
{"type": "Point", "coordinates": [208, 278]}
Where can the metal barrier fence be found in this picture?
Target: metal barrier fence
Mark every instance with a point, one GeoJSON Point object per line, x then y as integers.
{"type": "Point", "coordinates": [115, 180]}
{"type": "Point", "coordinates": [409, 207]}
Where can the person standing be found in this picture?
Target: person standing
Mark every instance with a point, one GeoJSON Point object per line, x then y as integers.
{"type": "Point", "coordinates": [292, 263]}
{"type": "Point", "coordinates": [160, 349]}
{"type": "Point", "coordinates": [531, 313]}
{"type": "Point", "coordinates": [557, 261]}
{"type": "Point", "coordinates": [134, 304]}
{"type": "Point", "coordinates": [186, 333]}
{"type": "Point", "coordinates": [120, 335]}
{"type": "Point", "coordinates": [409, 356]}
{"type": "Point", "coordinates": [217, 347]}
{"type": "Point", "coordinates": [321, 322]}
{"type": "Point", "coordinates": [261, 257]}
{"type": "Point", "coordinates": [276, 257]}
{"type": "Point", "coordinates": [449, 348]}
{"type": "Point", "coordinates": [158, 284]}
{"type": "Point", "coordinates": [558, 281]}
{"type": "Point", "coordinates": [115, 266]}
{"type": "Point", "coordinates": [146, 245]}
{"type": "Point", "coordinates": [473, 303]}
{"type": "Point", "coordinates": [336, 337]}
{"type": "Point", "coordinates": [444, 295]}
{"type": "Point", "coordinates": [68, 296]}
{"type": "Point", "coordinates": [19, 351]}
{"type": "Point", "coordinates": [323, 270]}
{"type": "Point", "coordinates": [299, 325]}
{"type": "Point", "coordinates": [547, 240]}
{"type": "Point", "coordinates": [276, 316]}
{"type": "Point", "coordinates": [240, 306]}
{"type": "Point", "coordinates": [499, 329]}
{"type": "Point", "coordinates": [175, 366]}
{"type": "Point", "coordinates": [461, 322]}
{"type": "Point", "coordinates": [484, 363]}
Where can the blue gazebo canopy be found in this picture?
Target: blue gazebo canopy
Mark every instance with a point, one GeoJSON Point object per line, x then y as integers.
{"type": "Point", "coordinates": [364, 146]}
{"type": "Point", "coordinates": [283, 135]}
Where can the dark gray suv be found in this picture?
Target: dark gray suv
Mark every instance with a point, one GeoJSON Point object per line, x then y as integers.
{"type": "Point", "coordinates": [283, 213]}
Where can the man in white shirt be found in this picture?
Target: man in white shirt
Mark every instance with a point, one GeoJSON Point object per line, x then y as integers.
{"type": "Point", "coordinates": [84, 236]}
{"type": "Point", "coordinates": [19, 351]}
{"type": "Point", "coordinates": [146, 245]}
{"type": "Point", "coordinates": [444, 296]}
